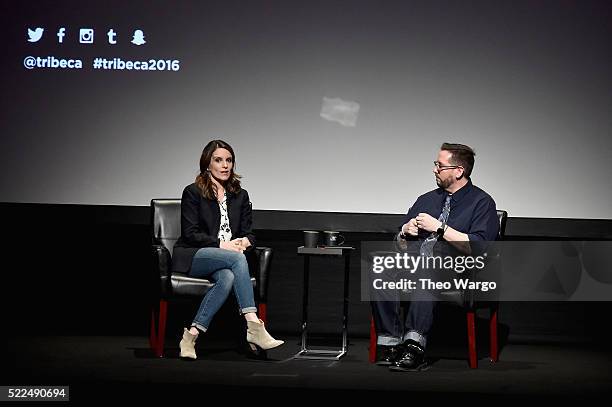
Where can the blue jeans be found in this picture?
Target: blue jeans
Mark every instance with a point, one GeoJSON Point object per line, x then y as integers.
{"type": "Point", "coordinates": [391, 328]}
{"type": "Point", "coordinates": [416, 325]}
{"type": "Point", "coordinates": [228, 270]}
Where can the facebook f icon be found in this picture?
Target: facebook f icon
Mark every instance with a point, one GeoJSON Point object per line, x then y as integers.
{"type": "Point", "coordinates": [111, 36]}
{"type": "Point", "coordinates": [60, 35]}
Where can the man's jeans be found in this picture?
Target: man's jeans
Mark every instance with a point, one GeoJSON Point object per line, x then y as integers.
{"type": "Point", "coordinates": [392, 331]}
{"type": "Point", "coordinates": [228, 270]}
{"type": "Point", "coordinates": [391, 328]}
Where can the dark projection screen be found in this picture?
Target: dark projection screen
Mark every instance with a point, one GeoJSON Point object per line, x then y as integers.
{"type": "Point", "coordinates": [329, 105]}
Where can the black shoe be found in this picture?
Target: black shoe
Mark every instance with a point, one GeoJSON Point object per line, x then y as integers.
{"type": "Point", "coordinates": [411, 360]}
{"type": "Point", "coordinates": [386, 355]}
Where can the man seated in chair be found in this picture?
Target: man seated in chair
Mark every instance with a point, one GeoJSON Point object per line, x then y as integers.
{"type": "Point", "coordinates": [457, 212]}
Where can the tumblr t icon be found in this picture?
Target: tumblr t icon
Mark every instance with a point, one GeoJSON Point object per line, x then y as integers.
{"type": "Point", "coordinates": [111, 36]}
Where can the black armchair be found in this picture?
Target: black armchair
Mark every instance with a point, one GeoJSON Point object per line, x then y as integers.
{"type": "Point", "coordinates": [466, 300]}
{"type": "Point", "coordinates": [166, 229]}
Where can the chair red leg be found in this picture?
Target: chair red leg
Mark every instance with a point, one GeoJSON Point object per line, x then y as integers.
{"type": "Point", "coordinates": [163, 313]}
{"type": "Point", "coordinates": [263, 312]}
{"type": "Point", "coordinates": [471, 331]}
{"type": "Point", "coordinates": [372, 356]}
{"type": "Point", "coordinates": [493, 334]}
{"type": "Point", "coordinates": [157, 334]}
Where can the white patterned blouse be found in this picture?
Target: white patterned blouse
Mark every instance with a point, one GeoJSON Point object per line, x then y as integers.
{"type": "Point", "coordinates": [225, 233]}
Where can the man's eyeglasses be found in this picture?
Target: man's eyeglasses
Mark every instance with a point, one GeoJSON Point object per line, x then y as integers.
{"type": "Point", "coordinates": [440, 167]}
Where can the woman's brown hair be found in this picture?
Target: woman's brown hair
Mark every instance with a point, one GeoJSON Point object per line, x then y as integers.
{"type": "Point", "coordinates": [204, 179]}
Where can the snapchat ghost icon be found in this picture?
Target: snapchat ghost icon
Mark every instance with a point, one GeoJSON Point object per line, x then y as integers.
{"type": "Point", "coordinates": [138, 38]}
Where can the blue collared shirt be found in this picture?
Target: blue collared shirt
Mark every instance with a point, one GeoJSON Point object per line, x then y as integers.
{"type": "Point", "coordinates": [472, 212]}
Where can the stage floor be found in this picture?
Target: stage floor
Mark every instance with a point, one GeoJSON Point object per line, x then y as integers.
{"type": "Point", "coordinates": [116, 367]}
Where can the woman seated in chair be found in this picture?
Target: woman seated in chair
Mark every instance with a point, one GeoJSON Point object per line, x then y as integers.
{"type": "Point", "coordinates": [215, 232]}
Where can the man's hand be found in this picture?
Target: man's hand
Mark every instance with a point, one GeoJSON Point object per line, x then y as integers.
{"type": "Point", "coordinates": [427, 222]}
{"type": "Point", "coordinates": [410, 228]}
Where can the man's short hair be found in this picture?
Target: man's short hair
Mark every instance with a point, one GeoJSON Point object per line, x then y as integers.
{"type": "Point", "coordinates": [461, 155]}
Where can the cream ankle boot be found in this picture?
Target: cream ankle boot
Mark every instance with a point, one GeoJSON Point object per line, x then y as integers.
{"type": "Point", "coordinates": [187, 345]}
{"type": "Point", "coordinates": [257, 335]}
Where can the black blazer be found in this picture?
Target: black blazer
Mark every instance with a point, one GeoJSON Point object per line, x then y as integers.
{"type": "Point", "coordinates": [200, 222]}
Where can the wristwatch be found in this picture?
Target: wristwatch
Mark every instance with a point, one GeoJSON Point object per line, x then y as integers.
{"type": "Point", "coordinates": [441, 229]}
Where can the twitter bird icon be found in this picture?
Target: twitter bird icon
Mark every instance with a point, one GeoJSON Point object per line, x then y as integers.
{"type": "Point", "coordinates": [35, 35]}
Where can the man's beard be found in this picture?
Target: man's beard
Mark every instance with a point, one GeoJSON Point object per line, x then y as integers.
{"type": "Point", "coordinates": [444, 183]}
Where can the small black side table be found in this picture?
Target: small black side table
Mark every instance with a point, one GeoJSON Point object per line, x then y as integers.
{"type": "Point", "coordinates": [325, 354]}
